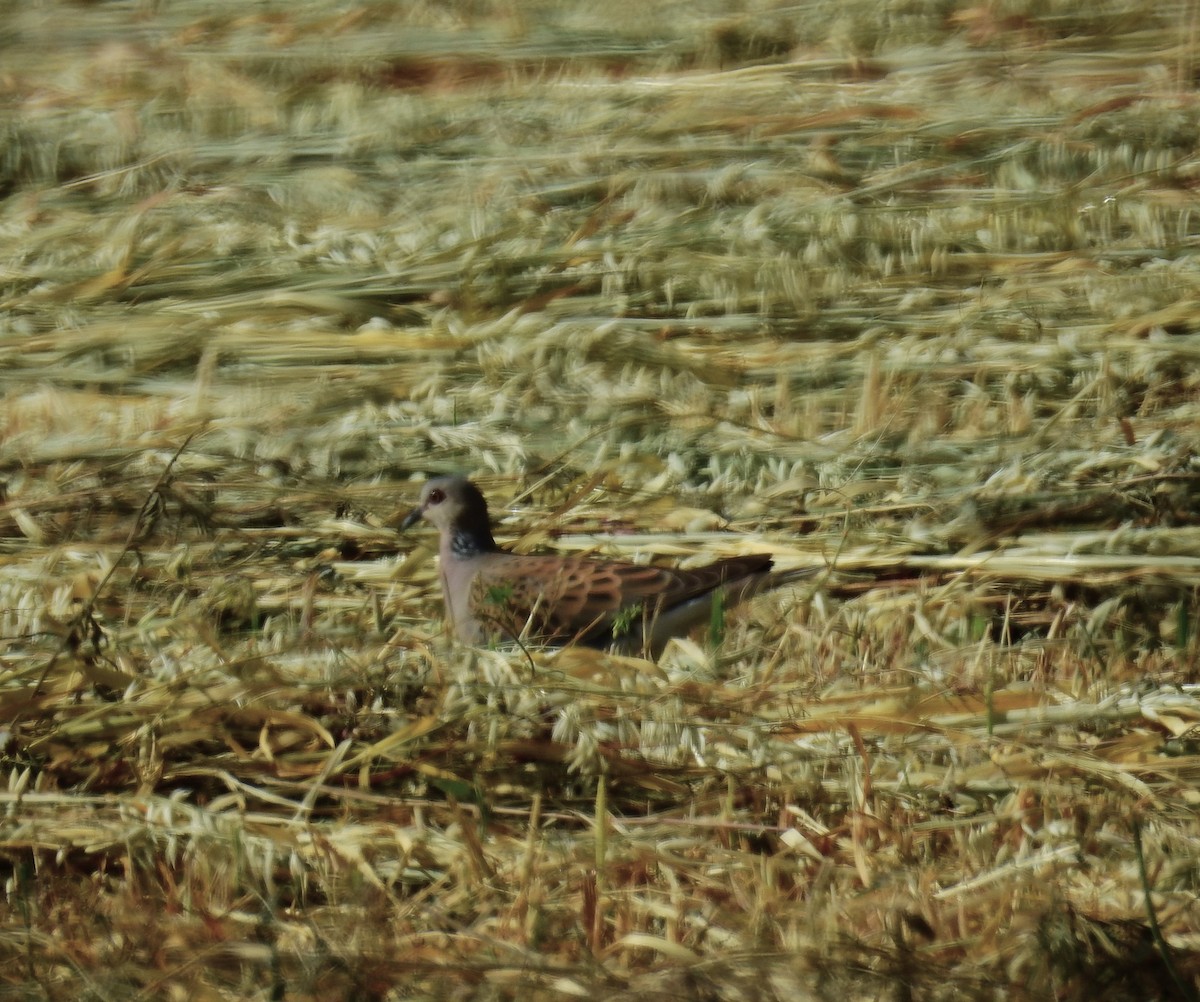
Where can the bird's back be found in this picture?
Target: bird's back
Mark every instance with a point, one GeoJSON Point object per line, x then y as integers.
{"type": "Point", "coordinates": [553, 599]}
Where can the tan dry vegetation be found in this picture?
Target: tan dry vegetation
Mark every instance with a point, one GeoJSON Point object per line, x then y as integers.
{"type": "Point", "coordinates": [907, 291]}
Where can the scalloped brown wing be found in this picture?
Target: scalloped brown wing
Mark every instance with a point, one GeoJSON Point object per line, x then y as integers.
{"type": "Point", "coordinates": [559, 599]}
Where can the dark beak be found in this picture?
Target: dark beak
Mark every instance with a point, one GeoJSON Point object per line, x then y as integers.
{"type": "Point", "coordinates": [411, 519]}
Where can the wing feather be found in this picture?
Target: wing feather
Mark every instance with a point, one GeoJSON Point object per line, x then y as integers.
{"type": "Point", "coordinates": [557, 599]}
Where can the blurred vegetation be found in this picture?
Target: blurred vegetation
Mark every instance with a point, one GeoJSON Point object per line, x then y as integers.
{"type": "Point", "coordinates": [907, 291]}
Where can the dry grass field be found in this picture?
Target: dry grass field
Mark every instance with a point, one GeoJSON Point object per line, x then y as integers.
{"type": "Point", "coordinates": [906, 291]}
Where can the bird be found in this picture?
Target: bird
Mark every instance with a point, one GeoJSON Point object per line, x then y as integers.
{"type": "Point", "coordinates": [495, 596]}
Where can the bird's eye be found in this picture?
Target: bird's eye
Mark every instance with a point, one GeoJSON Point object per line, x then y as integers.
{"type": "Point", "coordinates": [436, 496]}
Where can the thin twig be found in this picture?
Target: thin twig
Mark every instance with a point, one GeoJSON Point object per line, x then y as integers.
{"type": "Point", "coordinates": [85, 612]}
{"type": "Point", "coordinates": [1164, 950]}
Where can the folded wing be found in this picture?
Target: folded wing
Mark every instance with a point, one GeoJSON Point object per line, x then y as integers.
{"type": "Point", "coordinates": [553, 599]}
